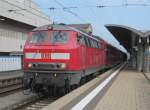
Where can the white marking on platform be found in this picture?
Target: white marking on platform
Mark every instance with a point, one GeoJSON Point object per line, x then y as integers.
{"type": "Point", "coordinates": [81, 105]}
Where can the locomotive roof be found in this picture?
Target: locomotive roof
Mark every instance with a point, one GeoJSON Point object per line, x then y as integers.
{"type": "Point", "coordinates": [55, 27]}
{"type": "Point", "coordinates": [82, 27]}
{"type": "Point", "coordinates": [74, 27]}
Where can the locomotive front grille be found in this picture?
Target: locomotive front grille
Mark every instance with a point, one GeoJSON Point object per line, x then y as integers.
{"type": "Point", "coordinates": [47, 66]}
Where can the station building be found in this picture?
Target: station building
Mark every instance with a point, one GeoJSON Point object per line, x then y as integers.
{"type": "Point", "coordinates": [17, 18]}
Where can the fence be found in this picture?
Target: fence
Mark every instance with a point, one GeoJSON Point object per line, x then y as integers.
{"type": "Point", "coordinates": [10, 63]}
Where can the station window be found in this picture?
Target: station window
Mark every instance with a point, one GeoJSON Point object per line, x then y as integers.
{"type": "Point", "coordinates": [59, 37]}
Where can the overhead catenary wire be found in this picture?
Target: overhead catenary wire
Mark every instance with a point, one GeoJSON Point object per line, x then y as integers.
{"type": "Point", "coordinates": [125, 1]}
{"type": "Point", "coordinates": [100, 6]}
{"type": "Point", "coordinates": [93, 14]}
{"type": "Point", "coordinates": [69, 11]}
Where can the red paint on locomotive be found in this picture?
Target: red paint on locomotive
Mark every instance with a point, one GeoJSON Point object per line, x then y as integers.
{"type": "Point", "coordinates": [81, 56]}
{"type": "Point", "coordinates": [66, 55]}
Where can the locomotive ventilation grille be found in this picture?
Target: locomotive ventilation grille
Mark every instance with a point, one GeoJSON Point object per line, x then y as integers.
{"type": "Point", "coordinates": [49, 66]}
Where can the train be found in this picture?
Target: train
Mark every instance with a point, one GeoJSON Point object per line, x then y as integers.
{"type": "Point", "coordinates": [62, 56]}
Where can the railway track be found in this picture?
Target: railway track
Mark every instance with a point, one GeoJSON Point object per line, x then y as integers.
{"type": "Point", "coordinates": [32, 103]}
{"type": "Point", "coordinates": [36, 104]}
{"type": "Point", "coordinates": [10, 84]}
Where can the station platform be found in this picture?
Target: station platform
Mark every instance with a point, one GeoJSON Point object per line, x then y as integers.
{"type": "Point", "coordinates": [128, 90]}
{"type": "Point", "coordinates": [11, 74]}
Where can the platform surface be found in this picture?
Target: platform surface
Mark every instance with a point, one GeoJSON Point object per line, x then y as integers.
{"type": "Point", "coordinates": [130, 91]}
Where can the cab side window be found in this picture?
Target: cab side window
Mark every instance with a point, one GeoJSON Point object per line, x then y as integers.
{"type": "Point", "coordinates": [99, 45]}
{"type": "Point", "coordinates": [87, 40]}
{"type": "Point", "coordinates": [81, 39]}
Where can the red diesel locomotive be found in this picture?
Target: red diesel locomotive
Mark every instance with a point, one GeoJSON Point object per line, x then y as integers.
{"type": "Point", "coordinates": [62, 55]}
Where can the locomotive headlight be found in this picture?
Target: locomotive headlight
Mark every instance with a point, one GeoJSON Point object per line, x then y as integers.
{"type": "Point", "coordinates": [29, 65]}
{"type": "Point", "coordinates": [63, 65]}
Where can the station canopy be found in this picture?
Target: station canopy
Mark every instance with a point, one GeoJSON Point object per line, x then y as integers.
{"type": "Point", "coordinates": [124, 34]}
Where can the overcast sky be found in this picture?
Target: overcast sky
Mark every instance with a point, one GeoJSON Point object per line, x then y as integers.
{"type": "Point", "coordinates": [116, 13]}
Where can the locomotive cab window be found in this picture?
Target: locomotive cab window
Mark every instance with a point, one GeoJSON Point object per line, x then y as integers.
{"type": "Point", "coordinates": [38, 37]}
{"type": "Point", "coordinates": [59, 37]}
